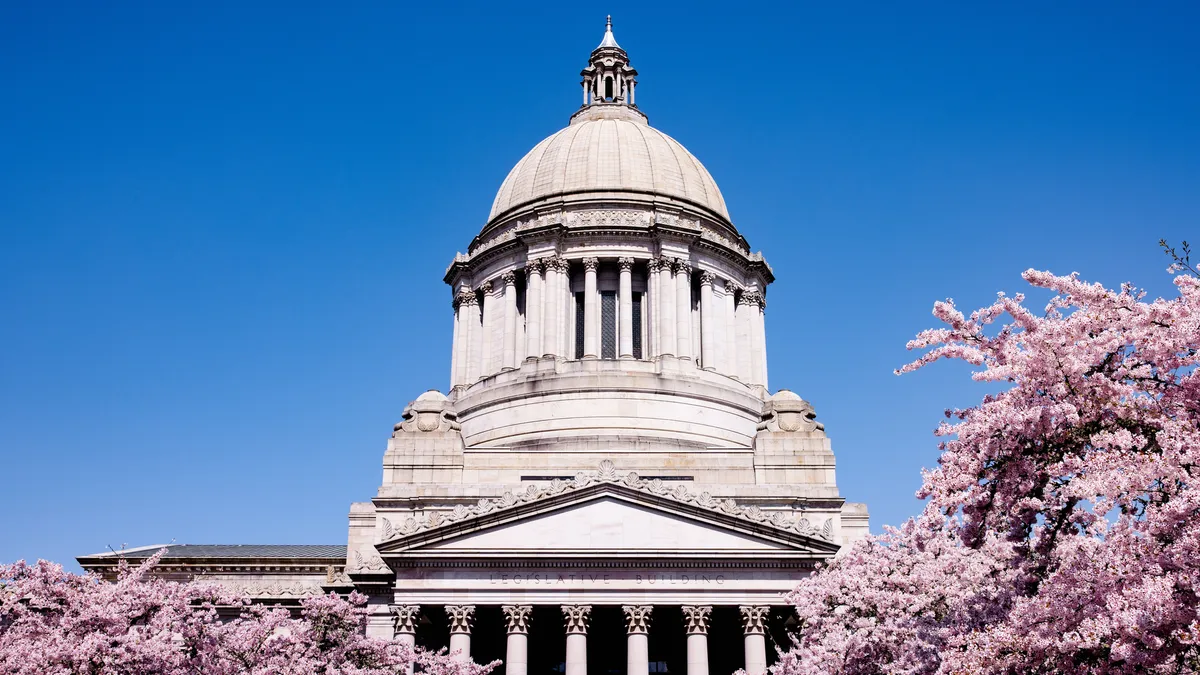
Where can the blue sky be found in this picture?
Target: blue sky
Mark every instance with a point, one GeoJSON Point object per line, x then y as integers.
{"type": "Point", "coordinates": [225, 224]}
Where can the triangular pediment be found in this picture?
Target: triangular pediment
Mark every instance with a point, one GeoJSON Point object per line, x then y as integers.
{"type": "Point", "coordinates": [608, 523]}
{"type": "Point", "coordinates": [607, 516]}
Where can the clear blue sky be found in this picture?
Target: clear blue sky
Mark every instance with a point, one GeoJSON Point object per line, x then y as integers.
{"type": "Point", "coordinates": [225, 224]}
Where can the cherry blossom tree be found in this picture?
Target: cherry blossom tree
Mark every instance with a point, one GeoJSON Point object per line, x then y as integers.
{"type": "Point", "coordinates": [55, 622]}
{"type": "Point", "coordinates": [1061, 531]}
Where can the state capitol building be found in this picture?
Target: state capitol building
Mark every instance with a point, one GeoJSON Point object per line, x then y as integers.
{"type": "Point", "coordinates": [609, 486]}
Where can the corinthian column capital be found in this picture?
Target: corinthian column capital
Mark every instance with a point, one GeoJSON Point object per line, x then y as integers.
{"type": "Point", "coordinates": [577, 617]}
{"type": "Point", "coordinates": [590, 264]}
{"type": "Point", "coordinates": [695, 618]}
{"type": "Point", "coordinates": [461, 617]}
{"type": "Point", "coordinates": [754, 618]}
{"type": "Point", "coordinates": [626, 264]}
{"type": "Point", "coordinates": [637, 618]}
{"type": "Point", "coordinates": [406, 617]}
{"type": "Point", "coordinates": [517, 617]}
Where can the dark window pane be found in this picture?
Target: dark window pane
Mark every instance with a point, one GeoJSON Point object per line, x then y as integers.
{"type": "Point", "coordinates": [579, 325]}
{"type": "Point", "coordinates": [637, 325]}
{"type": "Point", "coordinates": [608, 325]}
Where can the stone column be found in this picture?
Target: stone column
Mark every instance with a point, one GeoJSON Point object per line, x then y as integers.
{"type": "Point", "coordinates": [461, 617]}
{"type": "Point", "coordinates": [730, 356]}
{"type": "Point", "coordinates": [577, 623]}
{"type": "Point", "coordinates": [652, 307]}
{"type": "Point", "coordinates": [708, 355]}
{"type": "Point", "coordinates": [742, 318]}
{"type": "Point", "coordinates": [566, 336]}
{"type": "Point", "coordinates": [487, 313]}
{"type": "Point", "coordinates": [761, 327]}
{"type": "Point", "coordinates": [406, 626]}
{"type": "Point", "coordinates": [626, 293]}
{"type": "Point", "coordinates": [509, 355]}
{"type": "Point", "coordinates": [516, 658]}
{"type": "Point", "coordinates": [471, 334]}
{"type": "Point", "coordinates": [456, 345]}
{"type": "Point", "coordinates": [683, 308]}
{"type": "Point", "coordinates": [695, 619]}
{"type": "Point", "coordinates": [533, 309]}
{"type": "Point", "coordinates": [550, 310]}
{"type": "Point", "coordinates": [666, 286]}
{"type": "Point", "coordinates": [754, 620]}
{"type": "Point", "coordinates": [591, 322]}
{"type": "Point", "coordinates": [753, 307]}
{"type": "Point", "coordinates": [637, 649]}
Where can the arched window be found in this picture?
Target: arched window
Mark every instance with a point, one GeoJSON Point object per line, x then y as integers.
{"type": "Point", "coordinates": [608, 89]}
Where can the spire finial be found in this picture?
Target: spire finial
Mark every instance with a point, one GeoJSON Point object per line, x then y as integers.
{"type": "Point", "coordinates": [609, 40]}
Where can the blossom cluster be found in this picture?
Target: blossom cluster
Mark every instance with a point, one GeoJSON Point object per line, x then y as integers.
{"type": "Point", "coordinates": [58, 623]}
{"type": "Point", "coordinates": [1061, 532]}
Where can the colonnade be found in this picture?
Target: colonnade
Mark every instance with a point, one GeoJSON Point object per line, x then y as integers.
{"type": "Point", "coordinates": [663, 309]}
{"type": "Point", "coordinates": [577, 618]}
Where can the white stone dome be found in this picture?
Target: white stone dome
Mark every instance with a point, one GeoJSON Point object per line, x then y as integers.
{"type": "Point", "coordinates": [609, 149]}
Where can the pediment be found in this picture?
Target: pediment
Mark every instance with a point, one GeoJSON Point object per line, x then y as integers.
{"type": "Point", "coordinates": [604, 514]}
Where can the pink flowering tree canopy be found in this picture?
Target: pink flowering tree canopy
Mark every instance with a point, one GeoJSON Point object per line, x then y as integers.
{"type": "Point", "coordinates": [1061, 532]}
{"type": "Point", "coordinates": [57, 623]}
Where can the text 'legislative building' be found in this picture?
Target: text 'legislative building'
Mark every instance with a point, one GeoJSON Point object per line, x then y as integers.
{"type": "Point", "coordinates": [608, 486]}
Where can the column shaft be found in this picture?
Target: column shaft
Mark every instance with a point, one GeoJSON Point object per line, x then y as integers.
{"type": "Point", "coordinates": [742, 318]}
{"type": "Point", "coordinates": [683, 309]}
{"type": "Point", "coordinates": [666, 286]}
{"type": "Point", "coordinates": [729, 364]}
{"type": "Point", "coordinates": [591, 328]}
{"type": "Point", "coordinates": [533, 309]}
{"type": "Point", "coordinates": [516, 657]}
{"type": "Point", "coordinates": [753, 316]}
{"type": "Point", "coordinates": [487, 316]}
{"type": "Point", "coordinates": [761, 317]}
{"type": "Point", "coordinates": [697, 654]}
{"type": "Point", "coordinates": [652, 306]}
{"type": "Point", "coordinates": [461, 617]}
{"type": "Point", "coordinates": [626, 296]}
{"type": "Point", "coordinates": [754, 619]}
{"type": "Point", "coordinates": [406, 626]}
{"type": "Point", "coordinates": [637, 649]}
{"type": "Point", "coordinates": [708, 355]}
{"type": "Point", "coordinates": [455, 346]}
{"type": "Point", "coordinates": [576, 617]}
{"type": "Point", "coordinates": [510, 321]}
{"type": "Point", "coordinates": [550, 310]}
{"type": "Point", "coordinates": [472, 334]}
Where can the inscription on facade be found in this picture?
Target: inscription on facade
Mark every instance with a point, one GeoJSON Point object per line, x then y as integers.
{"type": "Point", "coordinates": [552, 578]}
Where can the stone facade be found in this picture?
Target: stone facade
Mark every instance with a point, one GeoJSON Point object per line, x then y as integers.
{"type": "Point", "coordinates": [608, 447]}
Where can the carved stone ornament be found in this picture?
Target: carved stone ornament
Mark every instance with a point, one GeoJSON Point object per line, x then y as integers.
{"type": "Point", "coordinates": [707, 278]}
{"type": "Point", "coordinates": [279, 589]}
{"type": "Point", "coordinates": [461, 617]}
{"type": "Point", "coordinates": [431, 411]}
{"type": "Point", "coordinates": [788, 412]}
{"type": "Point", "coordinates": [486, 287]}
{"type": "Point", "coordinates": [406, 617]}
{"type": "Point", "coordinates": [509, 278]}
{"type": "Point", "coordinates": [610, 218]}
{"type": "Point", "coordinates": [607, 473]}
{"type": "Point", "coordinates": [637, 618]}
{"type": "Point", "coordinates": [754, 619]}
{"type": "Point", "coordinates": [532, 267]}
{"type": "Point", "coordinates": [653, 265]}
{"type": "Point", "coordinates": [695, 618]}
{"type": "Point", "coordinates": [626, 264]}
{"type": "Point", "coordinates": [576, 617]}
{"type": "Point", "coordinates": [590, 264]}
{"type": "Point", "coordinates": [367, 564]}
{"type": "Point", "coordinates": [682, 266]}
{"type": "Point", "coordinates": [467, 297]}
{"type": "Point", "coordinates": [750, 298]}
{"type": "Point", "coordinates": [559, 264]}
{"type": "Point", "coordinates": [517, 617]}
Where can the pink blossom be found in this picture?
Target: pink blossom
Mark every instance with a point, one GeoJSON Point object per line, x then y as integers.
{"type": "Point", "coordinates": [1062, 525]}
